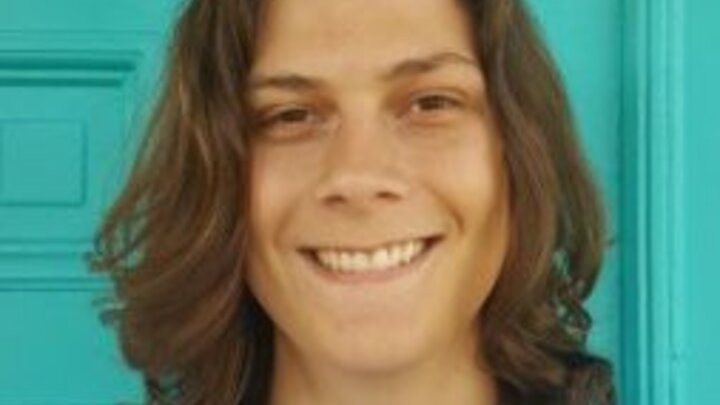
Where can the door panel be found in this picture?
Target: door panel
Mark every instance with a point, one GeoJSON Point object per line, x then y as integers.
{"type": "Point", "coordinates": [55, 353]}
{"type": "Point", "coordinates": [74, 76]}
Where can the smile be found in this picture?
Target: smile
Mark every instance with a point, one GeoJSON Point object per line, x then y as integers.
{"type": "Point", "coordinates": [371, 264]}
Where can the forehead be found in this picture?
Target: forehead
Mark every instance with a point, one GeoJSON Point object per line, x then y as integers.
{"type": "Point", "coordinates": [352, 35]}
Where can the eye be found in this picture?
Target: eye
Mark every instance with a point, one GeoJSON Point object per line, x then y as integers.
{"type": "Point", "coordinates": [434, 102]}
{"type": "Point", "coordinates": [293, 115]}
{"type": "Point", "coordinates": [288, 122]}
{"type": "Point", "coordinates": [434, 108]}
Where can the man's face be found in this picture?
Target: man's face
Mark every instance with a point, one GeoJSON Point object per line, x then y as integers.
{"type": "Point", "coordinates": [379, 211]}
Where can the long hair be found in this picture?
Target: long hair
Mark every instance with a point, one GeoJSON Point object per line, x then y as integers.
{"type": "Point", "coordinates": [175, 242]}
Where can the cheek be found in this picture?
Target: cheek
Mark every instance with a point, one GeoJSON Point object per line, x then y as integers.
{"type": "Point", "coordinates": [469, 182]}
{"type": "Point", "coordinates": [276, 188]}
{"type": "Point", "coordinates": [268, 206]}
{"type": "Point", "coordinates": [488, 236]}
{"type": "Point", "coordinates": [276, 184]}
{"type": "Point", "coordinates": [466, 172]}
{"type": "Point", "coordinates": [262, 205]}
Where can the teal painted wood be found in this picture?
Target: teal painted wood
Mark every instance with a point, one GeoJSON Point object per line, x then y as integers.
{"type": "Point", "coordinates": [85, 15]}
{"type": "Point", "coordinates": [72, 76]}
{"type": "Point", "coordinates": [55, 353]}
{"type": "Point", "coordinates": [700, 268]}
{"type": "Point", "coordinates": [653, 217]}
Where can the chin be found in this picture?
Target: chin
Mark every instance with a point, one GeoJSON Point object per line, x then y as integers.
{"type": "Point", "coordinates": [381, 353]}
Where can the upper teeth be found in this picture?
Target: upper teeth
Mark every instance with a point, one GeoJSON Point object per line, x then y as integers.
{"type": "Point", "coordinates": [378, 259]}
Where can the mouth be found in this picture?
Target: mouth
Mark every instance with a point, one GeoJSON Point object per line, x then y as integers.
{"type": "Point", "coordinates": [380, 264]}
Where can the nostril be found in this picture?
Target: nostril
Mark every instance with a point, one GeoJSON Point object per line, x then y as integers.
{"type": "Point", "coordinates": [387, 195]}
{"type": "Point", "coordinates": [334, 199]}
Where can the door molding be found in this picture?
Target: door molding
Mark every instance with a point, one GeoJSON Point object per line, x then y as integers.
{"type": "Point", "coordinates": [652, 206]}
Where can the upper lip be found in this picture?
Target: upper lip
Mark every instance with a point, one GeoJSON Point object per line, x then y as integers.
{"type": "Point", "coordinates": [363, 246]}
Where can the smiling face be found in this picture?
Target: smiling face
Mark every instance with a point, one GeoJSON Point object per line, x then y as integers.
{"type": "Point", "coordinates": [379, 199]}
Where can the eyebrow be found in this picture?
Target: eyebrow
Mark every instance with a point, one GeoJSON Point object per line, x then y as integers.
{"type": "Point", "coordinates": [417, 66]}
{"type": "Point", "coordinates": [405, 68]}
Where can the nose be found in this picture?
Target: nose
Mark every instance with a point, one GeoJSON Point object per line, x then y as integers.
{"type": "Point", "coordinates": [362, 170]}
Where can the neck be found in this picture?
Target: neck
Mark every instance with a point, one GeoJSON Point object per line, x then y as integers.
{"type": "Point", "coordinates": [452, 378]}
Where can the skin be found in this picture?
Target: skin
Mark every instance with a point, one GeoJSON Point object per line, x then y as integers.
{"type": "Point", "coordinates": [373, 127]}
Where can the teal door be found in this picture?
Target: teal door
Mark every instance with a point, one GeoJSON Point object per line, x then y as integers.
{"type": "Point", "coordinates": [71, 74]}
{"type": "Point", "coordinates": [75, 76]}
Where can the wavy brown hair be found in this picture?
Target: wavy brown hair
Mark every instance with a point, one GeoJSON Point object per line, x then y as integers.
{"type": "Point", "coordinates": [175, 241]}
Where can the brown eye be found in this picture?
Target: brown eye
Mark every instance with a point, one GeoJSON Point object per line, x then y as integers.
{"type": "Point", "coordinates": [434, 102]}
{"type": "Point", "coordinates": [290, 116]}
{"type": "Point", "coordinates": [288, 122]}
{"type": "Point", "coordinates": [433, 109]}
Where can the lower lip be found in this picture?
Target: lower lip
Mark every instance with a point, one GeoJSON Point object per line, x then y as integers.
{"type": "Point", "coordinates": [375, 277]}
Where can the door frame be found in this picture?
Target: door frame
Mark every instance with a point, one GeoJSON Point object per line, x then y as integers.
{"type": "Point", "coordinates": [651, 233]}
